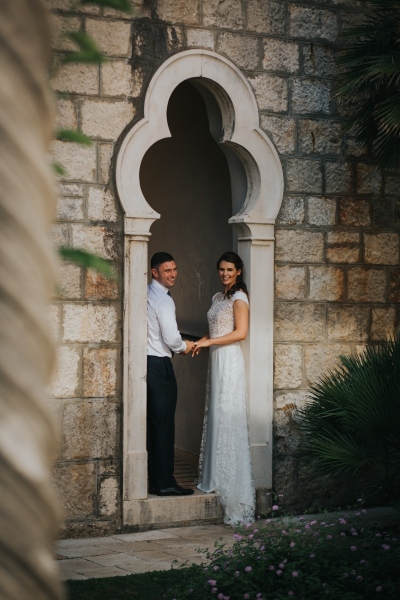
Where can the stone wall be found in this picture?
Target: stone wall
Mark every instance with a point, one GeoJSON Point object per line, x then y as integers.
{"type": "Point", "coordinates": [337, 245]}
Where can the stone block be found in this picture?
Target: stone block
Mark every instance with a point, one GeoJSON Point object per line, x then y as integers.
{"type": "Point", "coordinates": [186, 12]}
{"type": "Point", "coordinates": [138, 78]}
{"type": "Point", "coordinates": [304, 175]}
{"type": "Point", "coordinates": [366, 285]}
{"type": "Point", "coordinates": [271, 92]}
{"type": "Point", "coordinates": [312, 23]}
{"type": "Point", "coordinates": [76, 78]}
{"type": "Point", "coordinates": [282, 131]}
{"type": "Point", "coordinates": [326, 283]}
{"type": "Point", "coordinates": [382, 213]}
{"type": "Point", "coordinates": [60, 25]}
{"type": "Point", "coordinates": [59, 234]}
{"type": "Point", "coordinates": [72, 190]}
{"type": "Point", "coordinates": [343, 254]}
{"type": "Point", "coordinates": [105, 154]}
{"type": "Point", "coordinates": [369, 179]}
{"type": "Point", "coordinates": [352, 148]}
{"type": "Point", "coordinates": [321, 211]}
{"type": "Point", "coordinates": [288, 366]}
{"type": "Point", "coordinates": [318, 61]}
{"type": "Point", "coordinates": [76, 487]}
{"type": "Point", "coordinates": [266, 16]}
{"type": "Point", "coordinates": [354, 213]}
{"type": "Point", "coordinates": [392, 184]}
{"type": "Point", "coordinates": [116, 78]}
{"type": "Point", "coordinates": [53, 321]}
{"type": "Point", "coordinates": [290, 283]}
{"type": "Point", "coordinates": [99, 372]}
{"type": "Point", "coordinates": [286, 434]}
{"type": "Point", "coordinates": [65, 115]}
{"type": "Point", "coordinates": [227, 14]}
{"type": "Point", "coordinates": [280, 55]}
{"type": "Point", "coordinates": [101, 205]}
{"type": "Point", "coordinates": [98, 287]}
{"type": "Point", "coordinates": [291, 212]}
{"type": "Point", "coordinates": [338, 178]}
{"type": "Point", "coordinates": [381, 248]}
{"type": "Point", "coordinates": [72, 5]}
{"type": "Point", "coordinates": [141, 8]}
{"type": "Point", "coordinates": [240, 49]}
{"type": "Point", "coordinates": [348, 323]}
{"type": "Point", "coordinates": [112, 37]}
{"type": "Point", "coordinates": [70, 209]}
{"type": "Point", "coordinates": [286, 480]}
{"type": "Point", "coordinates": [154, 43]}
{"type": "Point", "coordinates": [322, 358]}
{"type": "Point", "coordinates": [69, 281]}
{"type": "Point", "coordinates": [106, 120]}
{"type": "Point", "coordinates": [291, 400]}
{"type": "Point", "coordinates": [109, 497]}
{"type": "Point", "coordinates": [383, 323]}
{"type": "Point", "coordinates": [311, 96]}
{"type": "Point", "coordinates": [97, 240]}
{"type": "Point", "coordinates": [65, 380]}
{"type": "Point", "coordinates": [78, 161]}
{"type": "Point", "coordinates": [349, 20]}
{"type": "Point", "coordinates": [299, 322]}
{"type": "Point", "coordinates": [394, 291]}
{"type": "Point", "coordinates": [200, 38]}
{"type": "Point", "coordinates": [299, 246]}
{"type": "Point", "coordinates": [90, 323]}
{"type": "Point", "coordinates": [343, 237]}
{"type": "Point", "coordinates": [319, 137]}
{"type": "Point", "coordinates": [90, 430]}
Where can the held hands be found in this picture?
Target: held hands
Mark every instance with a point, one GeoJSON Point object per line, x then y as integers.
{"type": "Point", "coordinates": [197, 346]}
{"type": "Point", "coordinates": [189, 347]}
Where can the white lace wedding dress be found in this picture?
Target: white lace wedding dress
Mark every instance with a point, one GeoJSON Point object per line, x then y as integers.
{"type": "Point", "coordinates": [225, 462]}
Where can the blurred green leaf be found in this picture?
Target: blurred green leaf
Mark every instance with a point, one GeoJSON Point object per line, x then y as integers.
{"type": "Point", "coordinates": [87, 260]}
{"type": "Point", "coordinates": [58, 169]}
{"type": "Point", "coordinates": [88, 49]}
{"type": "Point", "coordinates": [123, 5]}
{"type": "Point", "coordinates": [70, 135]}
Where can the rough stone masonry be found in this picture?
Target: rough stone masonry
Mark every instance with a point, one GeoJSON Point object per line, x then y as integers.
{"type": "Point", "coordinates": [337, 241]}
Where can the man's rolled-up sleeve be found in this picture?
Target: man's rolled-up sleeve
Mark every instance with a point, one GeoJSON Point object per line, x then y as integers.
{"type": "Point", "coordinates": [169, 329]}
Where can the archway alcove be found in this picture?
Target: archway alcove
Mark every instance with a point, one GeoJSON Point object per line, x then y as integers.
{"type": "Point", "coordinates": [256, 183]}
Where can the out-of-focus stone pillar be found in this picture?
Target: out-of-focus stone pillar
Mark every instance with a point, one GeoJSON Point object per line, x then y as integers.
{"type": "Point", "coordinates": [28, 516]}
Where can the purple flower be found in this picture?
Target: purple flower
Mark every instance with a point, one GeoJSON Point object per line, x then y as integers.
{"type": "Point", "coordinates": [280, 495]}
{"type": "Point", "coordinates": [353, 548]}
{"type": "Point", "coordinates": [342, 533]}
{"type": "Point", "coordinates": [248, 569]}
{"type": "Point", "coordinates": [363, 511]}
{"type": "Point", "coordinates": [342, 521]}
{"type": "Point", "coordinates": [295, 574]}
{"type": "Point", "coordinates": [271, 568]}
{"type": "Point", "coordinates": [237, 573]}
{"type": "Point", "coordinates": [284, 532]}
{"type": "Point", "coordinates": [359, 500]}
{"type": "Point", "coordinates": [214, 590]}
{"type": "Point", "coordinates": [248, 525]}
{"type": "Point", "coordinates": [275, 507]}
{"type": "Point", "coordinates": [212, 582]}
{"type": "Point", "coordinates": [328, 537]}
{"type": "Point", "coordinates": [359, 578]}
{"type": "Point", "coordinates": [354, 533]}
{"type": "Point", "coordinates": [279, 572]}
{"type": "Point", "coordinates": [358, 514]}
{"type": "Point", "coordinates": [313, 522]}
{"type": "Point", "coordinates": [378, 588]}
{"type": "Point", "coordinates": [301, 518]}
{"type": "Point", "coordinates": [385, 546]}
{"type": "Point", "coordinates": [292, 544]}
{"type": "Point", "coordinates": [362, 562]}
{"type": "Point", "coordinates": [251, 536]}
{"type": "Point", "coordinates": [220, 597]}
{"type": "Point", "coordinates": [259, 595]}
{"type": "Point", "coordinates": [268, 520]}
{"type": "Point", "coordinates": [312, 556]}
{"type": "Point", "coordinates": [237, 537]}
{"type": "Point", "coordinates": [256, 530]}
{"type": "Point", "coordinates": [215, 568]}
{"type": "Point", "coordinates": [308, 526]}
{"type": "Point", "coordinates": [282, 565]}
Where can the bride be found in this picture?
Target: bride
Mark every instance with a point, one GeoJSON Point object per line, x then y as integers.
{"type": "Point", "coordinates": [225, 463]}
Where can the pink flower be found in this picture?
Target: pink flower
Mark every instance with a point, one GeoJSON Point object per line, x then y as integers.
{"type": "Point", "coordinates": [358, 514]}
{"type": "Point", "coordinates": [248, 525]}
{"type": "Point", "coordinates": [279, 572]}
{"type": "Point", "coordinates": [354, 533]}
{"type": "Point", "coordinates": [359, 578]}
{"type": "Point", "coordinates": [282, 565]}
{"type": "Point", "coordinates": [363, 511]}
{"type": "Point", "coordinates": [292, 544]}
{"type": "Point", "coordinates": [215, 568]}
{"type": "Point", "coordinates": [359, 500]}
{"type": "Point", "coordinates": [342, 521]}
{"type": "Point", "coordinates": [362, 562]}
{"type": "Point", "coordinates": [313, 522]}
{"type": "Point", "coordinates": [246, 597]}
{"type": "Point", "coordinates": [328, 537]}
{"type": "Point", "coordinates": [237, 537]}
{"type": "Point", "coordinates": [385, 546]}
{"type": "Point", "coordinates": [295, 574]}
{"type": "Point", "coordinates": [271, 568]}
{"type": "Point", "coordinates": [284, 532]}
{"type": "Point", "coordinates": [307, 526]}
{"type": "Point", "coordinates": [251, 536]}
{"type": "Point", "coordinates": [256, 530]}
{"type": "Point", "coordinates": [301, 518]}
{"type": "Point", "coordinates": [214, 590]}
{"type": "Point", "coordinates": [212, 582]}
{"type": "Point", "coordinates": [342, 533]}
{"type": "Point", "coordinates": [353, 548]}
{"type": "Point", "coordinates": [312, 556]}
{"type": "Point", "coordinates": [275, 507]}
{"type": "Point", "coordinates": [248, 569]}
{"type": "Point", "coordinates": [220, 597]}
{"type": "Point", "coordinates": [378, 588]}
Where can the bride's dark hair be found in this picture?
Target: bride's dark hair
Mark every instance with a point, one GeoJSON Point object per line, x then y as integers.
{"type": "Point", "coordinates": [239, 286]}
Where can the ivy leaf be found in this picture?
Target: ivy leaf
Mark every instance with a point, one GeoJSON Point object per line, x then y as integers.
{"type": "Point", "coordinates": [123, 5]}
{"type": "Point", "coordinates": [88, 50]}
{"type": "Point", "coordinates": [87, 260]}
{"type": "Point", "coordinates": [58, 169]}
{"type": "Point", "coordinates": [70, 135]}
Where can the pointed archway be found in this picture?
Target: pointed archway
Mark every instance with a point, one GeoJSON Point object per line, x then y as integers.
{"type": "Point", "coordinates": [257, 185]}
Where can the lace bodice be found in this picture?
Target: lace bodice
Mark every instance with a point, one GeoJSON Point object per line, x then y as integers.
{"type": "Point", "coordinates": [220, 317]}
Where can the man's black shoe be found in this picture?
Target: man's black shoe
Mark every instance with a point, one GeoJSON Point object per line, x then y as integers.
{"type": "Point", "coordinates": [177, 490]}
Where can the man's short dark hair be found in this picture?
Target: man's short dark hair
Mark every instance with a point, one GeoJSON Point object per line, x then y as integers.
{"type": "Point", "coordinates": [159, 258]}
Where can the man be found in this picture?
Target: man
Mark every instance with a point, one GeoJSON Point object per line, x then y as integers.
{"type": "Point", "coordinates": [163, 339]}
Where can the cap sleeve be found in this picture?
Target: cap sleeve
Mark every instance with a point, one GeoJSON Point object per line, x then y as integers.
{"type": "Point", "coordinates": [240, 296]}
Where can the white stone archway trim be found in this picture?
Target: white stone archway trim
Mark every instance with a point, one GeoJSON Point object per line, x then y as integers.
{"type": "Point", "coordinates": [255, 226]}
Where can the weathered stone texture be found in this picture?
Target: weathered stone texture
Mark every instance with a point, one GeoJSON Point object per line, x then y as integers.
{"type": "Point", "coordinates": [290, 282]}
{"type": "Point", "coordinates": [201, 38]}
{"type": "Point", "coordinates": [53, 319]}
{"type": "Point", "coordinates": [78, 161]}
{"type": "Point", "coordinates": [60, 26]}
{"type": "Point", "coordinates": [71, 5]}
{"type": "Point", "coordinates": [326, 283]}
{"type": "Point", "coordinates": [90, 430]}
{"type": "Point", "coordinates": [348, 323]}
{"type": "Point", "coordinates": [381, 248]}
{"type": "Point", "coordinates": [282, 131]}
{"type": "Point", "coordinates": [319, 137]}
{"type": "Point", "coordinates": [106, 120]}
{"type": "Point", "coordinates": [366, 285]}
{"type": "Point", "coordinates": [109, 497]}
{"type": "Point", "coordinates": [97, 240]}
{"type": "Point", "coordinates": [343, 237]}
{"type": "Point", "coordinates": [322, 358]}
{"type": "Point", "coordinates": [321, 211]}
{"type": "Point", "coordinates": [76, 486]}
{"type": "Point", "coordinates": [339, 178]}
{"type": "Point", "coordinates": [299, 246]}
{"type": "Point", "coordinates": [343, 254]}
{"type": "Point", "coordinates": [318, 61]}
{"type": "Point", "coordinates": [369, 179]}
{"type": "Point", "coordinates": [70, 209]}
{"type": "Point", "coordinates": [105, 154]}
{"type": "Point", "coordinates": [394, 293]}
{"type": "Point", "coordinates": [310, 96]}
{"type": "Point", "coordinates": [304, 175]}
{"type": "Point", "coordinates": [89, 323]}
{"type": "Point", "coordinates": [392, 184]}
{"type": "Point", "coordinates": [266, 16]}
{"type": "Point", "coordinates": [271, 92]}
{"type": "Point", "coordinates": [65, 379]}
{"type": "Point", "coordinates": [76, 78]}
{"type": "Point", "coordinates": [116, 78]}
{"type": "Point", "coordinates": [60, 234]}
{"type": "Point", "coordinates": [240, 49]}
{"type": "Point", "coordinates": [280, 55]}
{"type": "Point", "coordinates": [99, 372]}
{"type": "Point", "coordinates": [312, 23]}
{"type": "Point", "coordinates": [179, 11]}
{"type": "Point", "coordinates": [101, 205]}
{"type": "Point", "coordinates": [112, 37]}
{"type": "Point", "coordinates": [291, 212]}
{"type": "Point", "coordinates": [69, 281]}
{"type": "Point", "coordinates": [227, 15]}
{"type": "Point", "coordinates": [299, 322]}
{"type": "Point", "coordinates": [98, 287]}
{"type": "Point", "coordinates": [383, 323]}
{"type": "Point", "coordinates": [288, 366]}
{"type": "Point", "coordinates": [65, 115]}
{"type": "Point", "coordinates": [286, 479]}
{"type": "Point", "coordinates": [354, 213]}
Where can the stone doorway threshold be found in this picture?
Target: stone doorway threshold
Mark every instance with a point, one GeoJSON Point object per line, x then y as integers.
{"type": "Point", "coordinates": [161, 513]}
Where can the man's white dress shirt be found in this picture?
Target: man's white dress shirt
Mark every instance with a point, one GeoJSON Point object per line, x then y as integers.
{"type": "Point", "coordinates": [162, 330]}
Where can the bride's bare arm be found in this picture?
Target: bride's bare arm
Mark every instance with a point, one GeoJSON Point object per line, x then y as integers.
{"type": "Point", "coordinates": [241, 314]}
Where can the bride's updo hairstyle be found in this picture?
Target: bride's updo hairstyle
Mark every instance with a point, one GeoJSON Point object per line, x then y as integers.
{"type": "Point", "coordinates": [239, 286]}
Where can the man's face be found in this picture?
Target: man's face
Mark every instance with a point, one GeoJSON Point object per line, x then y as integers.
{"type": "Point", "coordinates": [166, 274]}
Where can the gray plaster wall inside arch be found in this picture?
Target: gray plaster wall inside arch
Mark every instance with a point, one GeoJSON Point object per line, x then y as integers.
{"type": "Point", "coordinates": [256, 174]}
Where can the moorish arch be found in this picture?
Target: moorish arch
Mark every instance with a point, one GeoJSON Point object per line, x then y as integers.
{"type": "Point", "coordinates": [257, 190]}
